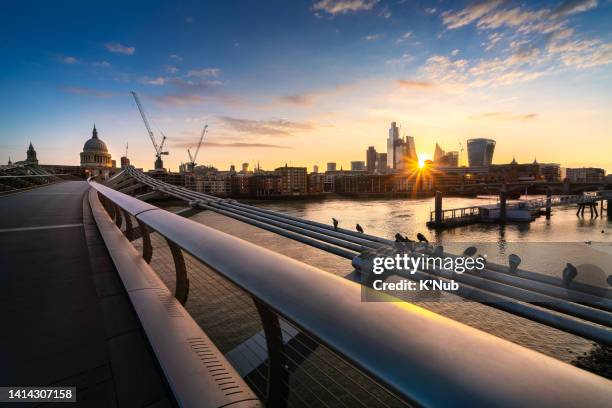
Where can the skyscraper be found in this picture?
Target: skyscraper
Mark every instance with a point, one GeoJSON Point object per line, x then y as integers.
{"type": "Point", "coordinates": [401, 153]}
{"type": "Point", "coordinates": [371, 156]}
{"type": "Point", "coordinates": [381, 163]}
{"type": "Point", "coordinates": [331, 166]}
{"type": "Point", "coordinates": [391, 144]}
{"type": "Point", "coordinates": [438, 153]}
{"type": "Point", "coordinates": [480, 152]}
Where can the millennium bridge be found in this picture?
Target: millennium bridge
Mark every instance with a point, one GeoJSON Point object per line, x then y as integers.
{"type": "Point", "coordinates": [136, 306]}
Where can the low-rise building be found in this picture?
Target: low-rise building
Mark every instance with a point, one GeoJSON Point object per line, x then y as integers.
{"type": "Point", "coordinates": [293, 180]}
{"type": "Point", "coordinates": [585, 175]}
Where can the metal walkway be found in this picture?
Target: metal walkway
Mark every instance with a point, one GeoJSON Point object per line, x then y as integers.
{"type": "Point", "coordinates": [66, 319]}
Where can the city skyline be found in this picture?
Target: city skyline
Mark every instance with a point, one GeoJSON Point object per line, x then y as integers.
{"type": "Point", "coordinates": [536, 78]}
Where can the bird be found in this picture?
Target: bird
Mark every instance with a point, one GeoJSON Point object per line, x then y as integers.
{"type": "Point", "coordinates": [359, 229]}
{"type": "Point", "coordinates": [514, 260]}
{"type": "Point", "coordinates": [603, 232]}
{"type": "Point", "coordinates": [335, 221]}
{"type": "Point", "coordinates": [399, 237]}
{"type": "Point", "coordinates": [470, 251]}
{"type": "Point", "coordinates": [569, 273]}
{"type": "Point", "coordinates": [421, 237]}
{"type": "Point", "coordinates": [587, 242]}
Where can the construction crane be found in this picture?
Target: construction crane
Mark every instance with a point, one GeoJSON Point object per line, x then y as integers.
{"type": "Point", "coordinates": [159, 149]}
{"type": "Point", "coordinates": [191, 165]}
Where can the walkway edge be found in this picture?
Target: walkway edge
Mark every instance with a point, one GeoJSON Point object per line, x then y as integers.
{"type": "Point", "coordinates": [182, 349]}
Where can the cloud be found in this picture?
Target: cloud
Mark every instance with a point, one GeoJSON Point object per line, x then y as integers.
{"type": "Point", "coordinates": [404, 37]}
{"type": "Point", "coordinates": [154, 81]}
{"type": "Point", "coordinates": [400, 61]}
{"type": "Point", "coordinates": [334, 7]}
{"type": "Point", "coordinates": [102, 64]}
{"type": "Point", "coordinates": [488, 15]}
{"type": "Point", "coordinates": [371, 37]}
{"type": "Point", "coordinates": [194, 85]}
{"type": "Point", "coordinates": [574, 6]}
{"type": "Point", "coordinates": [175, 57]}
{"type": "Point", "coordinates": [431, 10]}
{"type": "Point", "coordinates": [385, 12]}
{"type": "Point", "coordinates": [68, 60]}
{"type": "Point", "coordinates": [235, 145]}
{"type": "Point", "coordinates": [179, 99]}
{"type": "Point", "coordinates": [189, 19]}
{"type": "Point", "coordinates": [414, 84]}
{"type": "Point", "coordinates": [297, 99]}
{"type": "Point", "coordinates": [205, 72]}
{"type": "Point", "coordinates": [506, 116]}
{"type": "Point", "coordinates": [171, 70]}
{"type": "Point", "coordinates": [276, 127]}
{"type": "Point", "coordinates": [455, 19]}
{"type": "Point", "coordinates": [78, 90]}
{"type": "Point", "coordinates": [493, 40]}
{"type": "Point", "coordinates": [584, 54]}
{"type": "Point", "coordinates": [119, 48]}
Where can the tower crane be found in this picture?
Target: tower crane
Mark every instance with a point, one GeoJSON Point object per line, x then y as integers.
{"type": "Point", "coordinates": [191, 165]}
{"type": "Point", "coordinates": [159, 149]}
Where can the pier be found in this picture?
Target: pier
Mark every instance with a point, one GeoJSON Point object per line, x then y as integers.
{"type": "Point", "coordinates": [515, 211]}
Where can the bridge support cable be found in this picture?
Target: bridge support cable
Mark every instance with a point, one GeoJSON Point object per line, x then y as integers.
{"type": "Point", "coordinates": [275, 226]}
{"type": "Point", "coordinates": [413, 343]}
{"type": "Point", "coordinates": [190, 195]}
{"type": "Point", "coordinates": [183, 192]}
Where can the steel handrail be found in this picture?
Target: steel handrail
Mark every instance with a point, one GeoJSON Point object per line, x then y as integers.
{"type": "Point", "coordinates": [427, 359]}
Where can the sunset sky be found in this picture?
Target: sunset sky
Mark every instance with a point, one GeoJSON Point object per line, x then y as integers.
{"type": "Point", "coordinates": [307, 82]}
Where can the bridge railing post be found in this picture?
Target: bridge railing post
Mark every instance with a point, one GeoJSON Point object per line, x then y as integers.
{"type": "Point", "coordinates": [118, 218]}
{"type": "Point", "coordinates": [181, 290]}
{"type": "Point", "coordinates": [129, 232]}
{"type": "Point", "coordinates": [277, 391]}
{"type": "Point", "coordinates": [147, 248]}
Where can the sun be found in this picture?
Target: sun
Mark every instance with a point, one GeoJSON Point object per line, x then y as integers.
{"type": "Point", "coordinates": [422, 158]}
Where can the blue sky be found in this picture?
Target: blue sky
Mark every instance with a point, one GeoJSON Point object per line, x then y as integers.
{"type": "Point", "coordinates": [306, 82]}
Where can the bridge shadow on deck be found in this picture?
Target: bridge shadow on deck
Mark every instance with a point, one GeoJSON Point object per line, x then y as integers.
{"type": "Point", "coordinates": [65, 317]}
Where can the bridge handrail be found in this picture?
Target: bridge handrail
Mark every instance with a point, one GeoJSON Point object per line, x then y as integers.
{"type": "Point", "coordinates": [425, 358]}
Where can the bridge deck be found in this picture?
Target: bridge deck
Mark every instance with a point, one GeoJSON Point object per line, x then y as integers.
{"type": "Point", "coordinates": [66, 318]}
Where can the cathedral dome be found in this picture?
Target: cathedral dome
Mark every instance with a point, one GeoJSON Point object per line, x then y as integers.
{"type": "Point", "coordinates": [94, 144]}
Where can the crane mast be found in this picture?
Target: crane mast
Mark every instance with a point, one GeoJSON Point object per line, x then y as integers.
{"type": "Point", "coordinates": [200, 143]}
{"type": "Point", "coordinates": [192, 159]}
{"type": "Point", "coordinates": [159, 150]}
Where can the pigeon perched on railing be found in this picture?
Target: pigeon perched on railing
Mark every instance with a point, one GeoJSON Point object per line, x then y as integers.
{"type": "Point", "coordinates": [569, 273]}
{"type": "Point", "coordinates": [335, 221]}
{"type": "Point", "coordinates": [421, 237]}
{"type": "Point", "coordinates": [470, 251]}
{"type": "Point", "coordinates": [514, 261]}
{"type": "Point", "coordinates": [359, 229]}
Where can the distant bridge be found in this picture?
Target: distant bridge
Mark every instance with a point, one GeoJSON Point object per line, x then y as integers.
{"type": "Point", "coordinates": [314, 341]}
